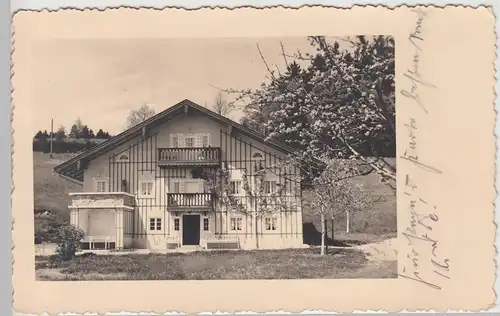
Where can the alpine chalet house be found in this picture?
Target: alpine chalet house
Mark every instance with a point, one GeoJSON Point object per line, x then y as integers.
{"type": "Point", "coordinates": [186, 177]}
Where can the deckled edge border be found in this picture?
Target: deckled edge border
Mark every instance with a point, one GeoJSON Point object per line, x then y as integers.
{"type": "Point", "coordinates": [127, 7]}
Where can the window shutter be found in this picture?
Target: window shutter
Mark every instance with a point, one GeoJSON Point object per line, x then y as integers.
{"type": "Point", "coordinates": [174, 140]}
{"type": "Point", "coordinates": [182, 143]}
{"type": "Point", "coordinates": [206, 140]}
{"type": "Point", "coordinates": [181, 186]}
{"type": "Point", "coordinates": [198, 142]}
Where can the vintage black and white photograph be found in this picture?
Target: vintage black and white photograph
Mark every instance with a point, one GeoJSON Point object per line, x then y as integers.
{"type": "Point", "coordinates": [214, 158]}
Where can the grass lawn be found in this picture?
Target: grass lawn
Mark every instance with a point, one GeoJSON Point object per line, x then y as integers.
{"type": "Point", "coordinates": [213, 265]}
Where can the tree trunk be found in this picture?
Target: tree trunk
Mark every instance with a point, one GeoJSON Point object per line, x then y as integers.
{"type": "Point", "coordinates": [255, 229]}
{"type": "Point", "coordinates": [323, 232]}
{"type": "Point", "coordinates": [326, 235]}
{"type": "Point", "coordinates": [347, 222]}
{"type": "Point", "coordinates": [333, 229]}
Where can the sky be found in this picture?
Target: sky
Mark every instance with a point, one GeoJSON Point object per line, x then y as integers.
{"type": "Point", "coordinates": [101, 80]}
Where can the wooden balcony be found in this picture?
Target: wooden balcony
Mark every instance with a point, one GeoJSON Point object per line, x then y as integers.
{"type": "Point", "coordinates": [199, 156]}
{"type": "Point", "coordinates": [184, 201]}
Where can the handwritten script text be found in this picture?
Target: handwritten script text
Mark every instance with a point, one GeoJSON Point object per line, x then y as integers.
{"type": "Point", "coordinates": [424, 262]}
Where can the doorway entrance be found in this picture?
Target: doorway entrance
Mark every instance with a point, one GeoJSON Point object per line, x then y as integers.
{"type": "Point", "coordinates": [191, 229]}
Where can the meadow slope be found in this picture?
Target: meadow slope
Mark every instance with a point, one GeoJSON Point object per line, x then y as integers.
{"type": "Point", "coordinates": [50, 190]}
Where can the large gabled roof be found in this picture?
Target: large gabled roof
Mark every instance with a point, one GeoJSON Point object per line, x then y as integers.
{"type": "Point", "coordinates": [73, 168]}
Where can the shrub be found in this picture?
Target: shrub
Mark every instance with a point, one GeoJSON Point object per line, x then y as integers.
{"type": "Point", "coordinates": [47, 228]}
{"type": "Point", "coordinates": [68, 241]}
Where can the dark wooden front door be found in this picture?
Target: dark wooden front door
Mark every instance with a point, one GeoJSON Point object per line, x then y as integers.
{"type": "Point", "coordinates": [191, 230]}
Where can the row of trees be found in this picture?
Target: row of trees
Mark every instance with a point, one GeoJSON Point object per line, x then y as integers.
{"type": "Point", "coordinates": [78, 131]}
{"type": "Point", "coordinates": [63, 146]}
{"type": "Point", "coordinates": [337, 105]}
{"type": "Point", "coordinates": [80, 137]}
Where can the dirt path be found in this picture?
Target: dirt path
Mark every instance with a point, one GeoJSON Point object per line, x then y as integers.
{"type": "Point", "coordinates": [384, 250]}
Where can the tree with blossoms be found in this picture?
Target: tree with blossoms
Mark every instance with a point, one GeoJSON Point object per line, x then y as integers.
{"type": "Point", "coordinates": [339, 103]}
{"type": "Point", "coordinates": [336, 195]}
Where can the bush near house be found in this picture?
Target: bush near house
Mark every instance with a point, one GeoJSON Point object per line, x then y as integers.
{"type": "Point", "coordinates": [46, 227]}
{"type": "Point", "coordinates": [68, 241]}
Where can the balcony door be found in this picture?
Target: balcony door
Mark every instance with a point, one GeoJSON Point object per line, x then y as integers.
{"type": "Point", "coordinates": [193, 186]}
{"type": "Point", "coordinates": [187, 189]}
{"type": "Point", "coordinates": [190, 141]}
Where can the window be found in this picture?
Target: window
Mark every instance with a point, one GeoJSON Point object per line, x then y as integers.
{"type": "Point", "coordinates": [177, 223]}
{"type": "Point", "coordinates": [234, 187]}
{"type": "Point", "coordinates": [101, 185]}
{"type": "Point", "coordinates": [258, 156]}
{"type": "Point", "coordinates": [271, 223]}
{"type": "Point", "coordinates": [176, 187]}
{"type": "Point", "coordinates": [123, 158]}
{"type": "Point", "coordinates": [205, 224]}
{"type": "Point", "coordinates": [189, 141]}
{"type": "Point", "coordinates": [204, 140]}
{"type": "Point", "coordinates": [287, 188]}
{"type": "Point", "coordinates": [236, 223]}
{"type": "Point", "coordinates": [146, 188]}
{"type": "Point", "coordinates": [125, 186]}
{"type": "Point", "coordinates": [155, 223]}
{"type": "Point", "coordinates": [269, 187]}
{"type": "Point", "coordinates": [175, 141]}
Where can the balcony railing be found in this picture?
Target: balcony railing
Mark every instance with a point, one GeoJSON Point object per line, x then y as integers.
{"type": "Point", "coordinates": [189, 200]}
{"type": "Point", "coordinates": [199, 156]}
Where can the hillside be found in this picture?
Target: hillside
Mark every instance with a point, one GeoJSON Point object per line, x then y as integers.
{"type": "Point", "coordinates": [51, 191]}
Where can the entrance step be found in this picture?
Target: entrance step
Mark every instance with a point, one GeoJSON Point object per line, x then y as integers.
{"type": "Point", "coordinates": [189, 248]}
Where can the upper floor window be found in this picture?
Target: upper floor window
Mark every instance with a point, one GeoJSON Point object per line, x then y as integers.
{"type": "Point", "coordinates": [204, 141]}
{"type": "Point", "coordinates": [123, 158]}
{"type": "Point", "coordinates": [269, 187]}
{"type": "Point", "coordinates": [125, 186]}
{"type": "Point", "coordinates": [190, 142]}
{"type": "Point", "coordinates": [234, 187]}
{"type": "Point", "coordinates": [146, 188]}
{"type": "Point", "coordinates": [175, 141]}
{"type": "Point", "coordinates": [258, 156]}
{"type": "Point", "coordinates": [101, 185]}
{"type": "Point", "coordinates": [176, 186]}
